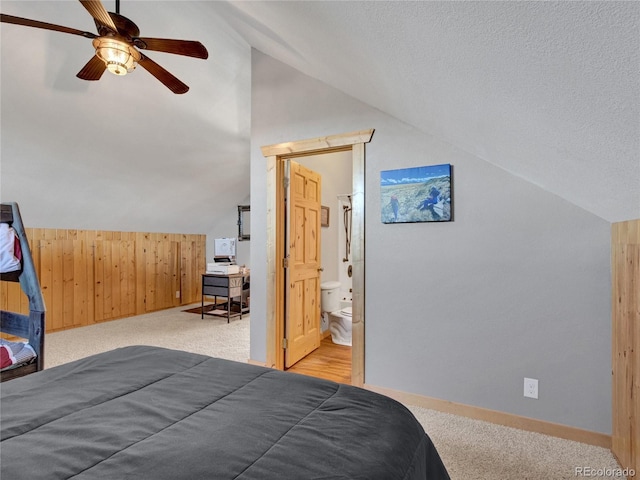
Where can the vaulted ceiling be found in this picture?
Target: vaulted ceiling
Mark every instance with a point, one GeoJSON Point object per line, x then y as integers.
{"type": "Point", "coordinates": [549, 91]}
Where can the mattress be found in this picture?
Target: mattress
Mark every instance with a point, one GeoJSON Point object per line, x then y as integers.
{"type": "Point", "coordinates": [15, 354]}
{"type": "Point", "coordinates": [152, 413]}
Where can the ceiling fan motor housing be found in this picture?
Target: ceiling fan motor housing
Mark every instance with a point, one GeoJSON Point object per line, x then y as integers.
{"type": "Point", "coordinates": [125, 27]}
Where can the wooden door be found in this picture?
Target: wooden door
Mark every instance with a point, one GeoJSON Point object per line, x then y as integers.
{"type": "Point", "coordinates": [302, 257]}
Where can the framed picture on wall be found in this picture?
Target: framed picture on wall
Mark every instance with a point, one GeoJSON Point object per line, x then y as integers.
{"type": "Point", "coordinates": [324, 216]}
{"type": "Point", "coordinates": [416, 194]}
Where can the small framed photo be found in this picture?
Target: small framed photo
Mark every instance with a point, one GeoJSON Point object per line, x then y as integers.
{"type": "Point", "coordinates": [324, 216]}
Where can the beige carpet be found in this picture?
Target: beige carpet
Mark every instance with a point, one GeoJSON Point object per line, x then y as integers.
{"type": "Point", "coordinates": [470, 449]}
{"type": "Point", "coordinates": [171, 328]}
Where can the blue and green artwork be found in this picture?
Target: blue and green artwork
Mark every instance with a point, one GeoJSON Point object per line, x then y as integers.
{"type": "Point", "coordinates": [417, 194]}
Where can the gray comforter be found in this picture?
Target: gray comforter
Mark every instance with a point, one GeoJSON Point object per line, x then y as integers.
{"type": "Point", "coordinates": [151, 413]}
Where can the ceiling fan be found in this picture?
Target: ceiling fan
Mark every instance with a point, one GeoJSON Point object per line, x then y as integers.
{"type": "Point", "coordinates": [117, 45]}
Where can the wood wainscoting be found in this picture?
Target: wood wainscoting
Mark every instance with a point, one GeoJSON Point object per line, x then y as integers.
{"type": "Point", "coordinates": [90, 276]}
{"type": "Point", "coordinates": [625, 306]}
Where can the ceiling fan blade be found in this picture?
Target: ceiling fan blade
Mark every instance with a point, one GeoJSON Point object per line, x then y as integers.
{"type": "Point", "coordinates": [98, 12]}
{"type": "Point", "coordinates": [93, 70]}
{"type": "Point", "coordinates": [47, 26]}
{"type": "Point", "coordinates": [171, 82]}
{"type": "Point", "coordinates": [188, 48]}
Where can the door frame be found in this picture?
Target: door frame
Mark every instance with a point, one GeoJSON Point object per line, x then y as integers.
{"type": "Point", "coordinates": [275, 154]}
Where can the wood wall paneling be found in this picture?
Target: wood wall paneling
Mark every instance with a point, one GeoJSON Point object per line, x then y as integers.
{"type": "Point", "coordinates": [625, 269]}
{"type": "Point", "coordinates": [114, 279]}
{"type": "Point", "coordinates": [93, 276]}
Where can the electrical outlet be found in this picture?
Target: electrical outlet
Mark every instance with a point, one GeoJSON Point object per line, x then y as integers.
{"type": "Point", "coordinates": [531, 387]}
{"type": "Point", "coordinates": [177, 293]}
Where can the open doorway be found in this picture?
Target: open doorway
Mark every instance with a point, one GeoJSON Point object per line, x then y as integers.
{"type": "Point", "coordinates": [330, 358]}
{"type": "Point", "coordinates": [275, 155]}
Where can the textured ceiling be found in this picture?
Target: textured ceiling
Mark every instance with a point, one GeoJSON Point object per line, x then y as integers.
{"type": "Point", "coordinates": [549, 91]}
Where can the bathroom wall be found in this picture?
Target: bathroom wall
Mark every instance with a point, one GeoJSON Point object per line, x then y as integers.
{"type": "Point", "coordinates": [518, 285]}
{"type": "Point", "coordinates": [345, 255]}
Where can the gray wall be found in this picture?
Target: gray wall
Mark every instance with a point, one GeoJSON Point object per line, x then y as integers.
{"type": "Point", "coordinates": [517, 286]}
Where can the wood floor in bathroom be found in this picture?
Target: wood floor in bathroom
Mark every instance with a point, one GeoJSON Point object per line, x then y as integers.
{"type": "Point", "coordinates": [330, 361]}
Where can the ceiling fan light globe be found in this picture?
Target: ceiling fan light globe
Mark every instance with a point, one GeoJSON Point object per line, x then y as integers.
{"type": "Point", "coordinates": [117, 69]}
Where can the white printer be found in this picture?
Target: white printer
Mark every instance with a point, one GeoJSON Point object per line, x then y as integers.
{"type": "Point", "coordinates": [220, 268]}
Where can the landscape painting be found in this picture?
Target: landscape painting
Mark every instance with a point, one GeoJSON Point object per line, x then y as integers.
{"type": "Point", "coordinates": [417, 194]}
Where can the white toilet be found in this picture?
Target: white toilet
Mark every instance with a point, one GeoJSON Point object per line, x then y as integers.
{"type": "Point", "coordinates": [339, 319]}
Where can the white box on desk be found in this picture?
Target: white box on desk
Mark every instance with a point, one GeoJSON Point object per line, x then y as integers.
{"type": "Point", "coordinates": [220, 269]}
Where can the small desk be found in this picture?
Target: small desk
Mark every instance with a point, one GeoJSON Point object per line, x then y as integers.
{"type": "Point", "coordinates": [220, 285]}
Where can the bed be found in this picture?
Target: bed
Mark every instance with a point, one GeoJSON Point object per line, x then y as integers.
{"type": "Point", "coordinates": [145, 412]}
{"type": "Point", "coordinates": [20, 358]}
